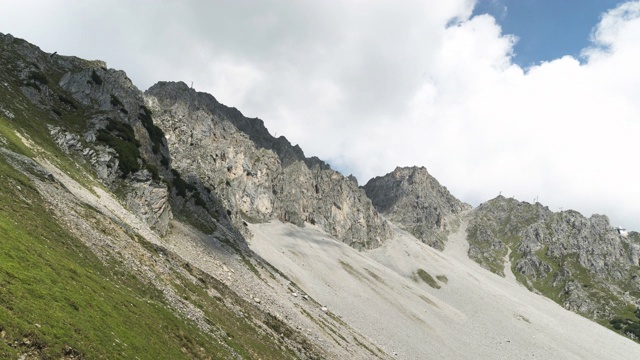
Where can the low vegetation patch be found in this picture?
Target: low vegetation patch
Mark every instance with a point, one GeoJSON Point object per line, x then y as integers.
{"type": "Point", "coordinates": [155, 133]}
{"type": "Point", "coordinates": [58, 299]}
{"type": "Point", "coordinates": [428, 279]}
{"type": "Point", "coordinates": [65, 100]}
{"type": "Point", "coordinates": [116, 103]}
{"type": "Point", "coordinates": [629, 326]}
{"type": "Point", "coordinates": [121, 138]}
{"type": "Point", "coordinates": [38, 77]}
{"type": "Point", "coordinates": [180, 185]}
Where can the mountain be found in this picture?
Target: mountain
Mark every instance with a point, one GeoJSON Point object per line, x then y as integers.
{"type": "Point", "coordinates": [415, 200]}
{"type": "Point", "coordinates": [165, 224]}
{"type": "Point", "coordinates": [582, 263]}
{"type": "Point", "coordinates": [257, 176]}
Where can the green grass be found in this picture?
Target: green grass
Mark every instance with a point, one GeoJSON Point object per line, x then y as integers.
{"type": "Point", "coordinates": [12, 141]}
{"type": "Point", "coordinates": [57, 297]}
{"type": "Point", "coordinates": [427, 278]}
{"type": "Point", "coordinates": [56, 294]}
{"type": "Point", "coordinates": [242, 333]}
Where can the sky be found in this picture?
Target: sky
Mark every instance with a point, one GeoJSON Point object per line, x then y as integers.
{"type": "Point", "coordinates": [524, 98]}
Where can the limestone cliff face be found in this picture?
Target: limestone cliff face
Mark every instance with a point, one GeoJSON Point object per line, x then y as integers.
{"type": "Point", "coordinates": [582, 263]}
{"type": "Point", "coordinates": [256, 176]}
{"type": "Point", "coordinates": [415, 200]}
{"type": "Point", "coordinates": [96, 114]}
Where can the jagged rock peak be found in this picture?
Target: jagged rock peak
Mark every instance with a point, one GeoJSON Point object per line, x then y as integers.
{"type": "Point", "coordinates": [415, 200]}
{"type": "Point", "coordinates": [254, 128]}
{"type": "Point", "coordinates": [259, 177]}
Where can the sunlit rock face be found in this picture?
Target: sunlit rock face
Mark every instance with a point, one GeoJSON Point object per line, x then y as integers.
{"type": "Point", "coordinates": [256, 176]}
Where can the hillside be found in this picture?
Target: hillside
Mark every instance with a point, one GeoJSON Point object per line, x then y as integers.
{"type": "Point", "coordinates": [165, 225]}
{"type": "Point", "coordinates": [87, 198]}
{"type": "Point", "coordinates": [582, 263]}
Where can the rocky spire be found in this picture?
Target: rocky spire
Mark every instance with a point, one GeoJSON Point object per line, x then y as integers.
{"type": "Point", "coordinates": [415, 200]}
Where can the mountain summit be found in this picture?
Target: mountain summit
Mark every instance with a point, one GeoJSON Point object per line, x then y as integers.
{"type": "Point", "coordinates": [415, 200]}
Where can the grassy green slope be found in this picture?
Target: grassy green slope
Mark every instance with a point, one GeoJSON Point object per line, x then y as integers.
{"type": "Point", "coordinates": [57, 298]}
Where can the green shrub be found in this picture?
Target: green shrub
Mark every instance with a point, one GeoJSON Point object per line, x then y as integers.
{"type": "Point", "coordinates": [428, 279]}
{"type": "Point", "coordinates": [154, 171]}
{"type": "Point", "coordinates": [67, 101]}
{"type": "Point", "coordinates": [123, 131]}
{"type": "Point", "coordinates": [155, 133]}
{"type": "Point", "coordinates": [33, 85]}
{"type": "Point", "coordinates": [116, 103]}
{"type": "Point", "coordinates": [179, 184]}
{"type": "Point", "coordinates": [634, 329]}
{"type": "Point", "coordinates": [38, 77]}
{"type": "Point", "coordinates": [626, 326]}
{"type": "Point", "coordinates": [197, 199]}
{"type": "Point", "coordinates": [121, 138]}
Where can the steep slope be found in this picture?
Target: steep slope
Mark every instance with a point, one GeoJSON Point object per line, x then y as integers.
{"type": "Point", "coordinates": [93, 113]}
{"type": "Point", "coordinates": [94, 266]}
{"type": "Point", "coordinates": [256, 176]}
{"type": "Point", "coordinates": [415, 200]}
{"type": "Point", "coordinates": [80, 279]}
{"type": "Point", "coordinates": [120, 241]}
{"type": "Point", "coordinates": [462, 312]}
{"type": "Point", "coordinates": [581, 263]}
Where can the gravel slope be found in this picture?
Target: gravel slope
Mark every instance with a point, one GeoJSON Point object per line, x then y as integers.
{"type": "Point", "coordinates": [475, 314]}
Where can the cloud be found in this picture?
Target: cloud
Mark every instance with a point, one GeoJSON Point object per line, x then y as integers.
{"type": "Point", "coordinates": [372, 85]}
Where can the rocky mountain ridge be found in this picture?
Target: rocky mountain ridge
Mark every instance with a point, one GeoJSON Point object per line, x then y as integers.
{"type": "Point", "coordinates": [186, 178]}
{"type": "Point", "coordinates": [79, 149]}
{"type": "Point", "coordinates": [582, 263]}
{"type": "Point", "coordinates": [257, 176]}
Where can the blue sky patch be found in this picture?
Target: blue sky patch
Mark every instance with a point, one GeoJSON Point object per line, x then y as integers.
{"type": "Point", "coordinates": [546, 29]}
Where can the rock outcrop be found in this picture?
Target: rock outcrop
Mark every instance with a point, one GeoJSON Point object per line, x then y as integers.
{"type": "Point", "coordinates": [415, 200]}
{"type": "Point", "coordinates": [256, 176]}
{"type": "Point", "coordinates": [582, 263]}
{"type": "Point", "coordinates": [98, 115]}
